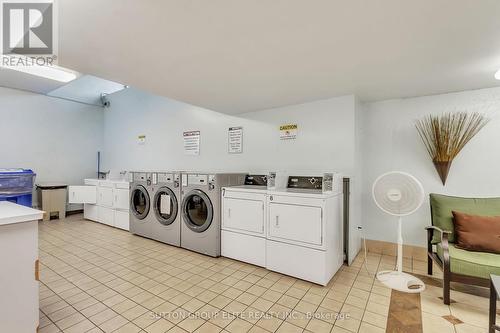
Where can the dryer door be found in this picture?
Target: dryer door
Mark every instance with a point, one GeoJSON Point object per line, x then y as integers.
{"type": "Point", "coordinates": [197, 211]}
{"type": "Point", "coordinates": [139, 202]}
{"type": "Point", "coordinates": [165, 205]}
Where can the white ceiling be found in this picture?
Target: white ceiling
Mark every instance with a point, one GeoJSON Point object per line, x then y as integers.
{"type": "Point", "coordinates": [235, 56]}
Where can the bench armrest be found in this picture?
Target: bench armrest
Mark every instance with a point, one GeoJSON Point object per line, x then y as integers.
{"type": "Point", "coordinates": [441, 231]}
{"type": "Point", "coordinates": [444, 242]}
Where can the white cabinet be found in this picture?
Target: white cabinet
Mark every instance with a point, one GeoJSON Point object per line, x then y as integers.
{"type": "Point", "coordinates": [104, 196]}
{"type": "Point", "coordinates": [121, 199]}
{"type": "Point", "coordinates": [121, 219]}
{"type": "Point", "coordinates": [105, 201]}
{"type": "Point", "coordinates": [90, 212]}
{"type": "Point", "coordinates": [106, 215]}
{"type": "Point", "coordinates": [19, 268]}
{"type": "Point", "coordinates": [82, 194]}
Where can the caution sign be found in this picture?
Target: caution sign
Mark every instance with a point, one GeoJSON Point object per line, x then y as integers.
{"type": "Point", "coordinates": [288, 131]}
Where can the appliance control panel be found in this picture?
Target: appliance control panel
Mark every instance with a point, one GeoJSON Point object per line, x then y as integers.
{"type": "Point", "coordinates": [211, 182]}
{"type": "Point", "coordinates": [195, 180]}
{"type": "Point", "coordinates": [260, 180]}
{"type": "Point", "coordinates": [167, 178]}
{"type": "Point", "coordinates": [141, 176]}
{"type": "Point", "coordinates": [311, 183]}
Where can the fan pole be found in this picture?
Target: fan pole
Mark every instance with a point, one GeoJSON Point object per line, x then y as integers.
{"type": "Point", "coordinates": [400, 245]}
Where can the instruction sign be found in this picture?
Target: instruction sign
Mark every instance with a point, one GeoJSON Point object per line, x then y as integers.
{"type": "Point", "coordinates": [235, 140]}
{"type": "Point", "coordinates": [191, 142]}
{"type": "Point", "coordinates": [288, 131]}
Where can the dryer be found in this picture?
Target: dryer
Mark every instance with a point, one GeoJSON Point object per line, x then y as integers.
{"type": "Point", "coordinates": [140, 199]}
{"type": "Point", "coordinates": [201, 210]}
{"type": "Point", "coordinates": [305, 229]}
{"type": "Point", "coordinates": [165, 201]}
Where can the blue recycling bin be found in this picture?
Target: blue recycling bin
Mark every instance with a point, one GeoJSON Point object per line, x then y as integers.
{"type": "Point", "coordinates": [16, 185]}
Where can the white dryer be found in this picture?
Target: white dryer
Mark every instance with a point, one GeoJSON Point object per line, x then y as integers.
{"type": "Point", "coordinates": [165, 202]}
{"type": "Point", "coordinates": [305, 229]}
{"type": "Point", "coordinates": [140, 199]}
{"type": "Point", "coordinates": [201, 210]}
{"type": "Point", "coordinates": [243, 235]}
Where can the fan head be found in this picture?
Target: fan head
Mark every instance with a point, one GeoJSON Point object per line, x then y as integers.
{"type": "Point", "coordinates": [398, 193]}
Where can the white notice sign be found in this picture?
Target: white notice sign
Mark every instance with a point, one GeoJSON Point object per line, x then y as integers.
{"type": "Point", "coordinates": [235, 140]}
{"type": "Point", "coordinates": [192, 143]}
{"type": "Point", "coordinates": [165, 204]}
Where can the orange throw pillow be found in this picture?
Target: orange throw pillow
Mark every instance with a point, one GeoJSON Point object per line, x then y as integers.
{"type": "Point", "coordinates": [477, 233]}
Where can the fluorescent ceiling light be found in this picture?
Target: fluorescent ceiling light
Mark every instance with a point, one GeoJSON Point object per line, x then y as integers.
{"type": "Point", "coordinates": [25, 65]}
{"type": "Point", "coordinates": [497, 75]}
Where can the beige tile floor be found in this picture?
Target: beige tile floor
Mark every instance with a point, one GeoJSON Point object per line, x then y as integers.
{"type": "Point", "coordinates": [96, 278]}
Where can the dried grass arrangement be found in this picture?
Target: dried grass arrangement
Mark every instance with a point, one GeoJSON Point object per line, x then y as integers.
{"type": "Point", "coordinates": [446, 135]}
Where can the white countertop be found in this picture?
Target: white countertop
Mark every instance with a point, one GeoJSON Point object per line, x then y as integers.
{"type": "Point", "coordinates": [108, 180]}
{"type": "Point", "coordinates": [286, 191]}
{"type": "Point", "coordinates": [13, 213]}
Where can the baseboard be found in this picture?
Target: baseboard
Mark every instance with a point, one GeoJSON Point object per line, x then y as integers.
{"type": "Point", "coordinates": [74, 212]}
{"type": "Point", "coordinates": [391, 249]}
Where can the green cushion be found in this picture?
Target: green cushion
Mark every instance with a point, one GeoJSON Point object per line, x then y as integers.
{"type": "Point", "coordinates": [442, 206]}
{"type": "Point", "coordinates": [478, 264]}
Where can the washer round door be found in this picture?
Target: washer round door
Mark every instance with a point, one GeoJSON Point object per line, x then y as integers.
{"type": "Point", "coordinates": [139, 202]}
{"type": "Point", "coordinates": [197, 210]}
{"type": "Point", "coordinates": [167, 215]}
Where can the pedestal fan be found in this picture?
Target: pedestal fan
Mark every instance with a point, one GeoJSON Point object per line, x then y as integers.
{"type": "Point", "coordinates": [399, 194]}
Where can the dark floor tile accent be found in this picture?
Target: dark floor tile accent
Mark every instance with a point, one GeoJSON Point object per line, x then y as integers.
{"type": "Point", "coordinates": [405, 315]}
{"type": "Point", "coordinates": [454, 320]}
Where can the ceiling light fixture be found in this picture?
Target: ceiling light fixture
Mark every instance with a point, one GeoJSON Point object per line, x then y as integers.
{"type": "Point", "coordinates": [497, 75]}
{"type": "Point", "coordinates": [25, 65]}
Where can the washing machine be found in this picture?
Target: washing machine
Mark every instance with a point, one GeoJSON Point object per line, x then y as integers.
{"type": "Point", "coordinates": [201, 210]}
{"type": "Point", "coordinates": [140, 200]}
{"type": "Point", "coordinates": [165, 201]}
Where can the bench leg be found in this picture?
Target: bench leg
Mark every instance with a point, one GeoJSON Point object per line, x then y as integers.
{"type": "Point", "coordinates": [446, 286]}
{"type": "Point", "coordinates": [493, 308]}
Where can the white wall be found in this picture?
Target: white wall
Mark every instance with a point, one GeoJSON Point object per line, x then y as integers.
{"type": "Point", "coordinates": [325, 140]}
{"type": "Point", "coordinates": [58, 139]}
{"type": "Point", "coordinates": [390, 142]}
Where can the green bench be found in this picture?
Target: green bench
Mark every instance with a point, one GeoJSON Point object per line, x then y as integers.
{"type": "Point", "coordinates": [459, 265]}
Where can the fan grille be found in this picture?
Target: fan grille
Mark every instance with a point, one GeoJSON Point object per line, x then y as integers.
{"type": "Point", "coordinates": [398, 193]}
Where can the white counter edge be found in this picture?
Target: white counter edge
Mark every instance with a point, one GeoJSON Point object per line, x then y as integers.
{"type": "Point", "coordinates": [11, 213]}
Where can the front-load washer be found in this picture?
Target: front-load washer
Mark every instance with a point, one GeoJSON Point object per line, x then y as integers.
{"type": "Point", "coordinates": [165, 201]}
{"type": "Point", "coordinates": [140, 200]}
{"type": "Point", "coordinates": [201, 210]}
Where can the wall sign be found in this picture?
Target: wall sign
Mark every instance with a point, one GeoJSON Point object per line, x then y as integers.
{"type": "Point", "coordinates": [235, 140]}
{"type": "Point", "coordinates": [191, 142]}
{"type": "Point", "coordinates": [288, 131]}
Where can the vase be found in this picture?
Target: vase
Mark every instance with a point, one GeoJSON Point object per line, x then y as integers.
{"type": "Point", "coordinates": [443, 167]}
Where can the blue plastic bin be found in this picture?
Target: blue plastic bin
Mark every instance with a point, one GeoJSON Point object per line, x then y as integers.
{"type": "Point", "coordinates": [16, 185]}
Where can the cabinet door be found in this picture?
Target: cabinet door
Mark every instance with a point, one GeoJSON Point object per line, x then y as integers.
{"type": "Point", "coordinates": [106, 215]}
{"type": "Point", "coordinates": [121, 199]}
{"type": "Point", "coordinates": [243, 215]}
{"type": "Point", "coordinates": [299, 224]}
{"type": "Point", "coordinates": [105, 196]}
{"type": "Point", "coordinates": [90, 212]}
{"type": "Point", "coordinates": [82, 194]}
{"type": "Point", "coordinates": [122, 220]}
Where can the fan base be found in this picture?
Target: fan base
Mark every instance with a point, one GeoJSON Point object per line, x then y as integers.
{"type": "Point", "coordinates": [401, 281]}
